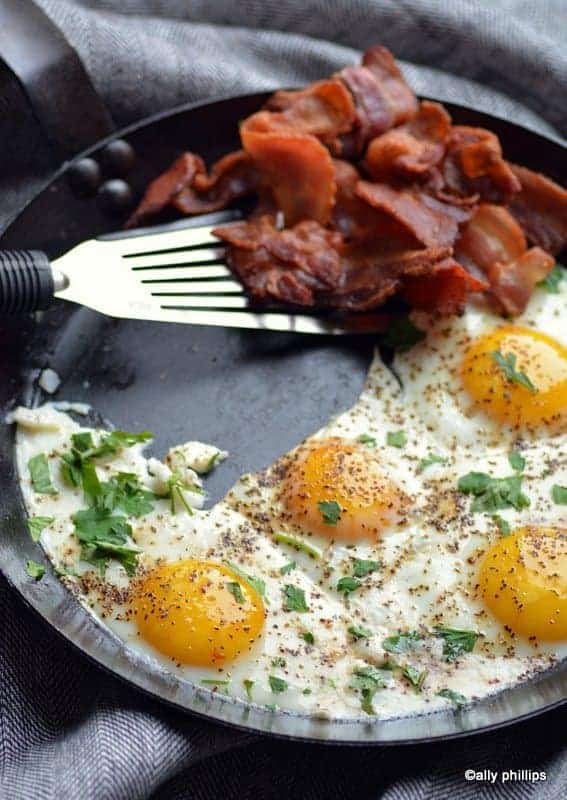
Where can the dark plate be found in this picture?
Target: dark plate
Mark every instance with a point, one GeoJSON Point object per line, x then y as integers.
{"type": "Point", "coordinates": [254, 394]}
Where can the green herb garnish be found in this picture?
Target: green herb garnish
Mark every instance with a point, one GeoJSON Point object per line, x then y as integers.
{"type": "Point", "coordinates": [256, 583]}
{"type": "Point", "coordinates": [414, 676]}
{"type": "Point", "coordinates": [298, 544]}
{"type": "Point", "coordinates": [236, 591]}
{"type": "Point", "coordinates": [248, 684]}
{"type": "Point", "coordinates": [366, 439]}
{"type": "Point", "coordinates": [287, 568]}
{"type": "Point", "coordinates": [294, 599]}
{"type": "Point", "coordinates": [347, 585]}
{"type": "Point", "coordinates": [215, 682]}
{"type": "Point", "coordinates": [35, 570]}
{"type": "Point", "coordinates": [278, 662]}
{"type": "Point", "coordinates": [559, 494]}
{"type": "Point", "coordinates": [507, 364]}
{"type": "Point", "coordinates": [363, 567]}
{"type": "Point", "coordinates": [402, 335]}
{"type": "Point", "coordinates": [40, 475]}
{"type": "Point", "coordinates": [456, 698]}
{"type": "Point", "coordinates": [517, 461]}
{"type": "Point", "coordinates": [552, 280]}
{"type": "Point", "coordinates": [330, 511]}
{"type": "Point", "coordinates": [37, 524]}
{"type": "Point", "coordinates": [367, 680]}
{"type": "Point", "coordinates": [359, 632]}
{"type": "Point", "coordinates": [277, 685]}
{"type": "Point", "coordinates": [402, 643]}
{"type": "Point", "coordinates": [396, 439]}
{"type": "Point", "coordinates": [307, 637]}
{"type": "Point", "coordinates": [429, 460]}
{"type": "Point", "coordinates": [456, 642]}
{"type": "Point", "coordinates": [502, 525]}
{"type": "Point", "coordinates": [493, 494]}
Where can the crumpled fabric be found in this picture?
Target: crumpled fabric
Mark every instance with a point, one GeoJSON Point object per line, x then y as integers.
{"type": "Point", "coordinates": [70, 730]}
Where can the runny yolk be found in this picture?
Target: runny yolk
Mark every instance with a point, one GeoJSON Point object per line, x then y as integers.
{"type": "Point", "coordinates": [345, 475]}
{"type": "Point", "coordinates": [192, 612]}
{"type": "Point", "coordinates": [523, 581]}
{"type": "Point", "coordinates": [506, 397]}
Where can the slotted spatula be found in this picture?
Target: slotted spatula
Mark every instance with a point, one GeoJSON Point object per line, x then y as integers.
{"type": "Point", "coordinates": [169, 273]}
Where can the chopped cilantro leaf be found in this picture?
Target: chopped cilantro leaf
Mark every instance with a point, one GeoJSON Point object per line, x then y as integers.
{"type": "Point", "coordinates": [363, 567]}
{"type": "Point", "coordinates": [552, 280]}
{"type": "Point", "coordinates": [367, 680]}
{"type": "Point", "coordinates": [248, 684]}
{"type": "Point", "coordinates": [277, 685]}
{"type": "Point", "coordinates": [347, 585]}
{"type": "Point", "coordinates": [37, 524]}
{"type": "Point", "coordinates": [278, 662]}
{"type": "Point", "coordinates": [396, 439]}
{"type": "Point", "coordinates": [402, 643]}
{"type": "Point", "coordinates": [330, 511]}
{"type": "Point", "coordinates": [236, 591]}
{"type": "Point", "coordinates": [414, 676]}
{"type": "Point", "coordinates": [307, 637]}
{"type": "Point", "coordinates": [35, 570]}
{"type": "Point", "coordinates": [517, 461]}
{"type": "Point", "coordinates": [507, 364]}
{"type": "Point", "coordinates": [256, 583]}
{"type": "Point", "coordinates": [402, 335]}
{"type": "Point", "coordinates": [559, 494]}
{"type": "Point", "coordinates": [307, 690]}
{"type": "Point", "coordinates": [429, 460]}
{"type": "Point", "coordinates": [210, 465]}
{"type": "Point", "coordinates": [103, 536]}
{"type": "Point", "coordinates": [40, 475]}
{"type": "Point", "coordinates": [364, 438]}
{"type": "Point", "coordinates": [456, 698]}
{"type": "Point", "coordinates": [502, 525]}
{"type": "Point", "coordinates": [456, 642]}
{"type": "Point", "coordinates": [298, 544]}
{"type": "Point", "coordinates": [493, 494]}
{"type": "Point", "coordinates": [270, 706]}
{"type": "Point", "coordinates": [359, 632]}
{"type": "Point", "coordinates": [294, 599]}
{"type": "Point", "coordinates": [176, 493]}
{"type": "Point", "coordinates": [287, 568]}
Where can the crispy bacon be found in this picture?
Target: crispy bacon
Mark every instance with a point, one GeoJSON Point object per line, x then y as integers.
{"type": "Point", "coordinates": [474, 165]}
{"type": "Point", "coordinates": [296, 167]}
{"type": "Point", "coordinates": [513, 282]}
{"type": "Point", "coordinates": [431, 222]}
{"type": "Point", "coordinates": [187, 187]}
{"type": "Point", "coordinates": [541, 209]}
{"type": "Point", "coordinates": [410, 150]}
{"type": "Point", "coordinates": [285, 265]}
{"type": "Point", "coordinates": [324, 109]}
{"type": "Point", "coordinates": [163, 189]}
{"type": "Point", "coordinates": [382, 97]}
{"type": "Point", "coordinates": [495, 244]}
{"type": "Point", "coordinates": [444, 290]}
{"type": "Point", "coordinates": [429, 210]}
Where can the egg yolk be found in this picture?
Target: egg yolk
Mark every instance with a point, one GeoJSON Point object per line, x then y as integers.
{"type": "Point", "coordinates": [523, 581]}
{"type": "Point", "coordinates": [197, 612]}
{"type": "Point", "coordinates": [502, 391]}
{"type": "Point", "coordinates": [337, 489]}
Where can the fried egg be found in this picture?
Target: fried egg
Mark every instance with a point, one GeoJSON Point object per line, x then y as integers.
{"type": "Point", "coordinates": [409, 556]}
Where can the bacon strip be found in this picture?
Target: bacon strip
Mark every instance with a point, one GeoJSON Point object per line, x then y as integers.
{"type": "Point", "coordinates": [431, 222]}
{"type": "Point", "coordinates": [495, 244]}
{"type": "Point", "coordinates": [382, 97]}
{"type": "Point", "coordinates": [541, 209]}
{"type": "Point", "coordinates": [444, 291]}
{"type": "Point", "coordinates": [410, 150]}
{"type": "Point", "coordinates": [324, 109]}
{"type": "Point", "coordinates": [289, 266]}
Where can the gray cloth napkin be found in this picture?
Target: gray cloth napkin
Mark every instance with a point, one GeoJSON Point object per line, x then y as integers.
{"type": "Point", "coordinates": [69, 730]}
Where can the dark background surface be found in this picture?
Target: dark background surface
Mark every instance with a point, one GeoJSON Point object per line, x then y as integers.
{"type": "Point", "coordinates": [69, 730]}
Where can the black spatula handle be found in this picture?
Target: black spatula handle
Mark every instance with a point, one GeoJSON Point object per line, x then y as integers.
{"type": "Point", "coordinates": [26, 281]}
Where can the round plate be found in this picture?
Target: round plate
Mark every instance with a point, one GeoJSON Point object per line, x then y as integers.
{"type": "Point", "coordinates": [255, 394]}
